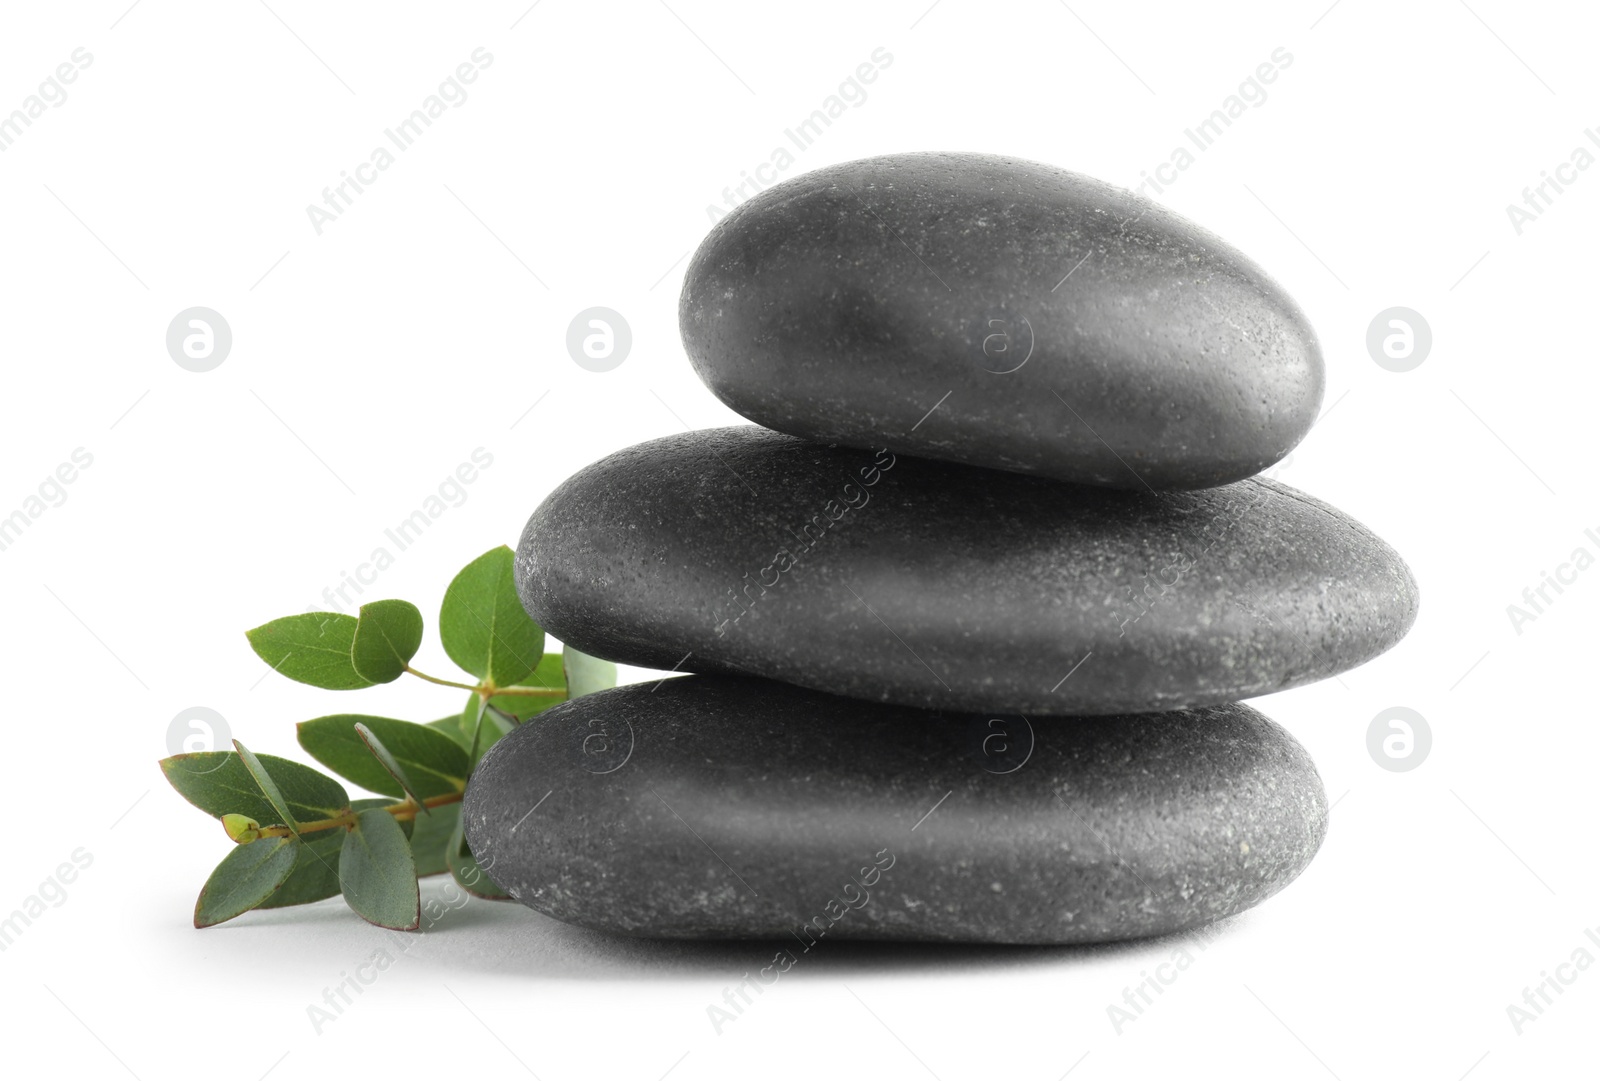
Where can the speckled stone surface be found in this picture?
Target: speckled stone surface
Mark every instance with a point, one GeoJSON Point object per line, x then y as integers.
{"type": "Point", "coordinates": [1003, 313]}
{"type": "Point", "coordinates": [717, 807]}
{"type": "Point", "coordinates": [743, 551]}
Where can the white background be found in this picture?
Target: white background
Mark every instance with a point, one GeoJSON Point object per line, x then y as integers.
{"type": "Point", "coordinates": [370, 360]}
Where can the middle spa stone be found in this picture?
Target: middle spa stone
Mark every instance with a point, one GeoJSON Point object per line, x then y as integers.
{"type": "Point", "coordinates": [896, 579]}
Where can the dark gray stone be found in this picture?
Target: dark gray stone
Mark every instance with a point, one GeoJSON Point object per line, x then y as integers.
{"type": "Point", "coordinates": [715, 807]}
{"type": "Point", "coordinates": [1062, 326]}
{"type": "Point", "coordinates": [743, 551]}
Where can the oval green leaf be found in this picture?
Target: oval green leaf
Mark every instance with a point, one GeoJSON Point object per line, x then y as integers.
{"type": "Point", "coordinates": [586, 674]}
{"type": "Point", "coordinates": [313, 648]}
{"type": "Point", "coordinates": [245, 878]}
{"type": "Point", "coordinates": [377, 873]}
{"type": "Point", "coordinates": [483, 626]}
{"type": "Point", "coordinates": [219, 783]}
{"type": "Point", "coordinates": [390, 764]}
{"type": "Point", "coordinates": [435, 764]}
{"type": "Point", "coordinates": [268, 786]}
{"type": "Point", "coordinates": [387, 636]}
{"type": "Point", "coordinates": [316, 871]}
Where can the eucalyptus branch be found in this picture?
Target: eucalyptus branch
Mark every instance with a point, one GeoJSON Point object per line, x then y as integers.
{"type": "Point", "coordinates": [403, 812]}
{"type": "Point", "coordinates": [420, 771]}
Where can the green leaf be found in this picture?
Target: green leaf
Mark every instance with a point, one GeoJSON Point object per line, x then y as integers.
{"type": "Point", "coordinates": [550, 674]}
{"type": "Point", "coordinates": [391, 765]}
{"type": "Point", "coordinates": [377, 873]}
{"type": "Point", "coordinates": [586, 674]}
{"type": "Point", "coordinates": [316, 871]}
{"type": "Point", "coordinates": [479, 740]}
{"type": "Point", "coordinates": [465, 870]}
{"type": "Point", "coordinates": [480, 714]}
{"type": "Point", "coordinates": [245, 878]}
{"type": "Point", "coordinates": [268, 786]}
{"type": "Point", "coordinates": [435, 763]}
{"type": "Point", "coordinates": [316, 868]}
{"type": "Point", "coordinates": [387, 636]}
{"type": "Point", "coordinates": [451, 726]}
{"type": "Point", "coordinates": [483, 625]}
{"type": "Point", "coordinates": [219, 783]}
{"type": "Point", "coordinates": [311, 648]}
{"type": "Point", "coordinates": [431, 836]}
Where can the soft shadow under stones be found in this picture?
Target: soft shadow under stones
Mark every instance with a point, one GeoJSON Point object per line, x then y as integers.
{"type": "Point", "coordinates": [506, 939]}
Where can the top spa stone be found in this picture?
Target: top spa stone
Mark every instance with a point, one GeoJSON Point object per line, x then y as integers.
{"type": "Point", "coordinates": [1000, 313]}
{"type": "Point", "coordinates": [897, 579]}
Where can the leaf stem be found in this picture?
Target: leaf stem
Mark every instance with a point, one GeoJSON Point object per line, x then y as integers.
{"type": "Point", "coordinates": [489, 688]}
{"type": "Point", "coordinates": [441, 682]}
{"type": "Point", "coordinates": [532, 692]}
{"type": "Point", "coordinates": [403, 812]}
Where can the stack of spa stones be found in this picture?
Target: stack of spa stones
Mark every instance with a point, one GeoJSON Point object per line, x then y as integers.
{"type": "Point", "coordinates": [969, 617]}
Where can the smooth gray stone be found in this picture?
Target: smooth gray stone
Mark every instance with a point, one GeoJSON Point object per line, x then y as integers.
{"type": "Point", "coordinates": [716, 807]}
{"type": "Point", "coordinates": [1003, 313]}
{"type": "Point", "coordinates": [743, 551]}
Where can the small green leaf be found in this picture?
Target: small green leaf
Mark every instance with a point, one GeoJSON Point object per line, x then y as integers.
{"type": "Point", "coordinates": [245, 878]}
{"type": "Point", "coordinates": [219, 783]}
{"type": "Point", "coordinates": [475, 752]}
{"type": "Point", "coordinates": [268, 786]}
{"type": "Point", "coordinates": [390, 764]}
{"type": "Point", "coordinates": [431, 836]}
{"type": "Point", "coordinates": [311, 648]}
{"type": "Point", "coordinates": [479, 738]}
{"type": "Point", "coordinates": [316, 871]}
{"type": "Point", "coordinates": [483, 625]}
{"type": "Point", "coordinates": [465, 870]}
{"type": "Point", "coordinates": [435, 763]}
{"type": "Point", "coordinates": [386, 638]}
{"type": "Point", "coordinates": [586, 674]}
{"type": "Point", "coordinates": [377, 873]}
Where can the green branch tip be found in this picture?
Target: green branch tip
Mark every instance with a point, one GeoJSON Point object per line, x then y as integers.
{"type": "Point", "coordinates": [241, 828]}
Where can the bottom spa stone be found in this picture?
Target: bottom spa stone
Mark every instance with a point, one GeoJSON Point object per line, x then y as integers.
{"type": "Point", "coordinates": [720, 807]}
